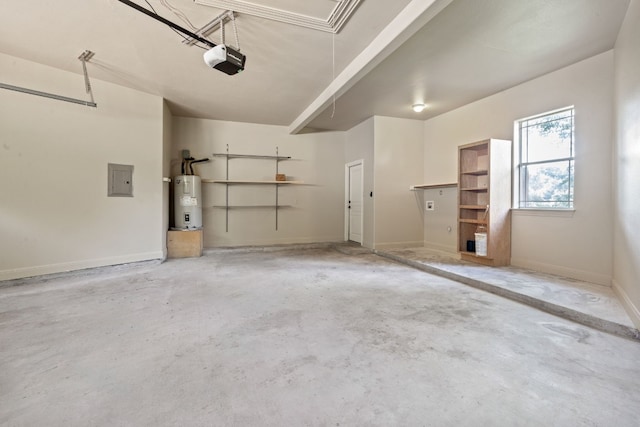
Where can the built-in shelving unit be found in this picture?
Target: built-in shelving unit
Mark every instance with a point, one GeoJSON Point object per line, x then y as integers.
{"type": "Point", "coordinates": [230, 182]}
{"type": "Point", "coordinates": [484, 199]}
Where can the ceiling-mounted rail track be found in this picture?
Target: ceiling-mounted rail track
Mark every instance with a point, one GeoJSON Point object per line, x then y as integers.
{"type": "Point", "coordinates": [48, 95]}
{"type": "Point", "coordinates": [167, 22]}
{"type": "Point", "coordinates": [84, 57]}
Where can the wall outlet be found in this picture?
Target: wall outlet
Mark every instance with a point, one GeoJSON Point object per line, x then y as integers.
{"type": "Point", "coordinates": [429, 205]}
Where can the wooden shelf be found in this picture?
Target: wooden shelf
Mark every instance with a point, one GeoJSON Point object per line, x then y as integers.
{"type": "Point", "coordinates": [249, 206]}
{"type": "Point", "coordinates": [231, 182]}
{"type": "Point", "coordinates": [430, 186]}
{"type": "Point", "coordinates": [476, 172]}
{"type": "Point", "coordinates": [250, 156]}
{"type": "Point", "coordinates": [473, 254]}
{"type": "Point", "coordinates": [473, 221]}
{"type": "Point", "coordinates": [474, 189]}
{"type": "Point", "coordinates": [236, 181]}
{"type": "Point", "coordinates": [477, 207]}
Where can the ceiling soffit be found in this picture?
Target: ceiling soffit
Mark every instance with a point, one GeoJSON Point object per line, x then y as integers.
{"type": "Point", "coordinates": [335, 13]}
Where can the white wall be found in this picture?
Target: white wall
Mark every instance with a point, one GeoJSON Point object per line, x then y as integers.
{"type": "Point", "coordinates": [54, 212]}
{"type": "Point", "coordinates": [398, 154]}
{"type": "Point", "coordinates": [316, 208]}
{"type": "Point", "coordinates": [626, 250]}
{"type": "Point", "coordinates": [359, 146]}
{"type": "Point", "coordinates": [579, 245]}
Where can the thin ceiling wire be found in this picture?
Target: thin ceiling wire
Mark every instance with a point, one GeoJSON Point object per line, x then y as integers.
{"type": "Point", "coordinates": [175, 31]}
{"type": "Point", "coordinates": [180, 14]}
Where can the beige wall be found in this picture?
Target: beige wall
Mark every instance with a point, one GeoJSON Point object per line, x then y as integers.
{"type": "Point", "coordinates": [626, 250]}
{"type": "Point", "coordinates": [359, 146]}
{"type": "Point", "coordinates": [578, 245]}
{"type": "Point", "coordinates": [315, 212]}
{"type": "Point", "coordinates": [398, 154]}
{"type": "Point", "coordinates": [440, 226]}
{"type": "Point", "coordinates": [54, 212]}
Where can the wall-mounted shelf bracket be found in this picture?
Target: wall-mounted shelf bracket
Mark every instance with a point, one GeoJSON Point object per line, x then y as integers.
{"type": "Point", "coordinates": [227, 182]}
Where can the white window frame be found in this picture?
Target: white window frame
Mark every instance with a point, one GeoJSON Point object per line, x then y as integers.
{"type": "Point", "coordinates": [519, 185]}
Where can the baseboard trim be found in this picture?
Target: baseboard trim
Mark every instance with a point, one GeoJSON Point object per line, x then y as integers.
{"type": "Point", "coordinates": [399, 245]}
{"type": "Point", "coordinates": [629, 306]}
{"type": "Point", "coordinates": [40, 270]}
{"type": "Point", "coordinates": [585, 276]}
{"type": "Point", "coordinates": [221, 244]}
{"type": "Point", "coordinates": [269, 248]}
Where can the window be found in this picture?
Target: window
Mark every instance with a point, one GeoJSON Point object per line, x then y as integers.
{"type": "Point", "coordinates": [546, 160]}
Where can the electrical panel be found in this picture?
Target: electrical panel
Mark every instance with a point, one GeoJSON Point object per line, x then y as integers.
{"type": "Point", "coordinates": [120, 180]}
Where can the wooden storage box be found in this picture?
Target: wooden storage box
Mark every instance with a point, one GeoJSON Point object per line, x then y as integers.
{"type": "Point", "coordinates": [184, 243]}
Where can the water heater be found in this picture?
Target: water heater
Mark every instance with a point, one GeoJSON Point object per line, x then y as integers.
{"type": "Point", "coordinates": [187, 198]}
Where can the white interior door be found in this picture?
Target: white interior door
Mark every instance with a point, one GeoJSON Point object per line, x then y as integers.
{"type": "Point", "coordinates": [354, 178]}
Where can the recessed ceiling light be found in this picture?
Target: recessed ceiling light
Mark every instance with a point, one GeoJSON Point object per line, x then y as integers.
{"type": "Point", "coordinates": [418, 107]}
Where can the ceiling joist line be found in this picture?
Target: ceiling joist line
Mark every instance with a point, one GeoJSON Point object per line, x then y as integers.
{"type": "Point", "coordinates": [84, 57]}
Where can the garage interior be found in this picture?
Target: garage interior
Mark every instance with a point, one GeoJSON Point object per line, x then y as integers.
{"type": "Point", "coordinates": [295, 310]}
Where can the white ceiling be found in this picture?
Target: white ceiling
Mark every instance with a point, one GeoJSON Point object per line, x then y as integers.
{"type": "Point", "coordinates": [445, 53]}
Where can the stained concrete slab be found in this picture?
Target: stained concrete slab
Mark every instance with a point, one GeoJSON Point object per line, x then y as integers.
{"type": "Point", "coordinates": [593, 305]}
{"type": "Point", "coordinates": [308, 337]}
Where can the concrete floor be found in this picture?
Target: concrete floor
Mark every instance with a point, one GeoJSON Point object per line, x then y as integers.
{"type": "Point", "coordinates": [309, 337]}
{"type": "Point", "coordinates": [586, 303]}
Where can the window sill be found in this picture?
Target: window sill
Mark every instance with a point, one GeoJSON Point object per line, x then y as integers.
{"type": "Point", "coordinates": [561, 213]}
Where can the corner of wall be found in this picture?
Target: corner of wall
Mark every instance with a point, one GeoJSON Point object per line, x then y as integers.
{"type": "Point", "coordinates": [167, 127]}
{"type": "Point", "coordinates": [632, 310]}
{"type": "Point", "coordinates": [626, 163]}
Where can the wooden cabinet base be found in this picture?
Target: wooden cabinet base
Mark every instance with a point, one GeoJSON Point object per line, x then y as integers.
{"type": "Point", "coordinates": [471, 257]}
{"type": "Point", "coordinates": [184, 244]}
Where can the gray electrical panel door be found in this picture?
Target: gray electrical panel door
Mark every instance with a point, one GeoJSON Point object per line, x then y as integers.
{"type": "Point", "coordinates": [120, 180]}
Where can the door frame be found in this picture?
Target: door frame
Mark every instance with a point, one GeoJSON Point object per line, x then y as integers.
{"type": "Point", "coordinates": [347, 166]}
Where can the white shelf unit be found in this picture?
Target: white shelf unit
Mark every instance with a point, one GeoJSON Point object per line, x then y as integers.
{"type": "Point", "coordinates": [229, 182]}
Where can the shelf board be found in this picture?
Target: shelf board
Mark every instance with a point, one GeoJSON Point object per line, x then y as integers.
{"type": "Point", "coordinates": [249, 206]}
{"type": "Point", "coordinates": [476, 172]}
{"type": "Point", "coordinates": [473, 221]}
{"type": "Point", "coordinates": [235, 181]}
{"type": "Point", "coordinates": [429, 186]}
{"type": "Point", "coordinates": [250, 156]}
{"type": "Point", "coordinates": [477, 189]}
{"type": "Point", "coordinates": [475, 207]}
{"type": "Point", "coordinates": [473, 254]}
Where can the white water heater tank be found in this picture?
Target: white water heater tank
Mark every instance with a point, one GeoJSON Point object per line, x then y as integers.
{"type": "Point", "coordinates": [187, 200]}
